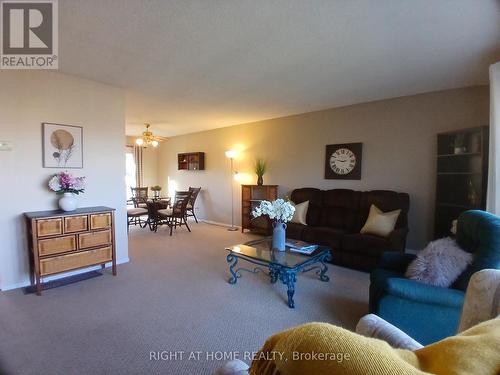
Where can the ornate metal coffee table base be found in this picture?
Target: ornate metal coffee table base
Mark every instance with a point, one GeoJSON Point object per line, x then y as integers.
{"type": "Point", "coordinates": [287, 275]}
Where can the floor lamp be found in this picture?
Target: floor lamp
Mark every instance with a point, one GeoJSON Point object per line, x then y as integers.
{"type": "Point", "coordinates": [231, 154]}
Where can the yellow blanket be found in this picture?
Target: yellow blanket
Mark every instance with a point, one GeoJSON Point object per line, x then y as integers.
{"type": "Point", "coordinates": [321, 348]}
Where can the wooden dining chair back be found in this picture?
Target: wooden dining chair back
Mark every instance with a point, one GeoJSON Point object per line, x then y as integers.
{"type": "Point", "coordinates": [139, 196]}
{"type": "Point", "coordinates": [192, 201]}
{"type": "Point", "coordinates": [181, 202]}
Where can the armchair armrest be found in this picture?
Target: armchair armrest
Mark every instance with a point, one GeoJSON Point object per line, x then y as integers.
{"type": "Point", "coordinates": [234, 367]}
{"type": "Point", "coordinates": [424, 293]}
{"type": "Point", "coordinates": [398, 262]}
{"type": "Point", "coordinates": [372, 325]}
{"type": "Point", "coordinates": [397, 239]}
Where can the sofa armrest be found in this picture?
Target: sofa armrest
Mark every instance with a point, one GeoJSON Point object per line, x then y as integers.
{"type": "Point", "coordinates": [397, 239]}
{"type": "Point", "coordinates": [424, 293]}
{"type": "Point", "coordinates": [372, 325]}
{"type": "Point", "coordinates": [398, 262]}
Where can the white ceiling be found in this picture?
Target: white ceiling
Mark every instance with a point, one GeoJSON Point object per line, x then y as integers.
{"type": "Point", "coordinates": [191, 65]}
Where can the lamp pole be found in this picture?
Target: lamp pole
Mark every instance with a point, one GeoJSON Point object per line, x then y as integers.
{"type": "Point", "coordinates": [232, 228]}
{"type": "Point", "coordinates": [231, 155]}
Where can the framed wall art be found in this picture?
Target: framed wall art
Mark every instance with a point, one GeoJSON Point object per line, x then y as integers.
{"type": "Point", "coordinates": [62, 146]}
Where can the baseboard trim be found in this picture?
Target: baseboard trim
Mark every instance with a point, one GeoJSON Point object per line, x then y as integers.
{"type": "Point", "coordinates": [219, 224]}
{"type": "Point", "coordinates": [24, 284]}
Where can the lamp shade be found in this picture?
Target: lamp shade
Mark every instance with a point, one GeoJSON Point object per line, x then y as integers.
{"type": "Point", "coordinates": [231, 154]}
{"type": "Point", "coordinates": [139, 141]}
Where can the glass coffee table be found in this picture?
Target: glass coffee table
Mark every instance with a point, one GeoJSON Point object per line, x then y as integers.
{"type": "Point", "coordinates": [279, 265]}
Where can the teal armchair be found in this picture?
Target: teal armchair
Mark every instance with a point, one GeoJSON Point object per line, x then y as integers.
{"type": "Point", "coordinates": [429, 313]}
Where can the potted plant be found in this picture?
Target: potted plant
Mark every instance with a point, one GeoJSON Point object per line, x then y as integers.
{"type": "Point", "coordinates": [156, 190]}
{"type": "Point", "coordinates": [260, 169]}
{"type": "Point", "coordinates": [459, 143]}
{"type": "Point", "coordinates": [279, 212]}
{"type": "Point", "coordinates": [69, 186]}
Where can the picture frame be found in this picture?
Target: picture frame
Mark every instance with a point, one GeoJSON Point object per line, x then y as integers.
{"type": "Point", "coordinates": [62, 146]}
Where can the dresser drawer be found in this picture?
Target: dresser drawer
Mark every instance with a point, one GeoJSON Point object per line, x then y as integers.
{"type": "Point", "coordinates": [92, 239]}
{"type": "Point", "coordinates": [78, 260]}
{"type": "Point", "coordinates": [100, 221]}
{"type": "Point", "coordinates": [49, 227]}
{"type": "Point", "coordinates": [56, 245]}
{"type": "Point", "coordinates": [75, 224]}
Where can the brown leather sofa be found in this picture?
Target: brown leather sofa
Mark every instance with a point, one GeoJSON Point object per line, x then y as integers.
{"type": "Point", "coordinates": [335, 217]}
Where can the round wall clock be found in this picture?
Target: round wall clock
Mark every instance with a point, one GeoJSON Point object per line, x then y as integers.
{"type": "Point", "coordinates": [343, 161]}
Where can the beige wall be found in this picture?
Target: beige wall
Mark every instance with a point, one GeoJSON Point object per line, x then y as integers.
{"type": "Point", "coordinates": [149, 163]}
{"type": "Point", "coordinates": [28, 98]}
{"type": "Point", "coordinates": [399, 148]}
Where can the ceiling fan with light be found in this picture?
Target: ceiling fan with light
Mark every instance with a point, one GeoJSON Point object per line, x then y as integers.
{"type": "Point", "coordinates": [148, 138]}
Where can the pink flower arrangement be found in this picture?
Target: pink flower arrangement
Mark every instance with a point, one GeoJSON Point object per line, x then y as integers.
{"type": "Point", "coordinates": [65, 183]}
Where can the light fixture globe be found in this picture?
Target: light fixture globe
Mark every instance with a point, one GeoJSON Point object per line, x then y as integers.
{"type": "Point", "coordinates": [231, 154]}
{"type": "Point", "coordinates": [139, 141]}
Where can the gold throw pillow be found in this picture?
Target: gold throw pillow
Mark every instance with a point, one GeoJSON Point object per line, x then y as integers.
{"type": "Point", "coordinates": [380, 223]}
{"type": "Point", "coordinates": [300, 214]}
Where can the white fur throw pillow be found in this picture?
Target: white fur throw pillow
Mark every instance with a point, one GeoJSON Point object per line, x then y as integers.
{"type": "Point", "coordinates": [440, 263]}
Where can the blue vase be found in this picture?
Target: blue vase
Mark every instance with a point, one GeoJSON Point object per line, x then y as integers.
{"type": "Point", "coordinates": [279, 235]}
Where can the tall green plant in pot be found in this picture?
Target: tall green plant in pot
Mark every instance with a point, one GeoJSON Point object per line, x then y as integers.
{"type": "Point", "coordinates": [260, 168]}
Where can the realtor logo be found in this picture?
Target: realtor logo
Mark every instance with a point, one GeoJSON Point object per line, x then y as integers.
{"type": "Point", "coordinates": [29, 34]}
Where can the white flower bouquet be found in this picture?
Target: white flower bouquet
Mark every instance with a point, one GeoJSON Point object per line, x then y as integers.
{"type": "Point", "coordinates": [279, 210]}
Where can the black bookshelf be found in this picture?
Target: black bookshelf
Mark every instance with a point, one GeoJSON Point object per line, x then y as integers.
{"type": "Point", "coordinates": [462, 175]}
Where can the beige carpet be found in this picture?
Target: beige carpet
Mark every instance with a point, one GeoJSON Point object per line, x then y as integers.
{"type": "Point", "coordinates": [172, 296]}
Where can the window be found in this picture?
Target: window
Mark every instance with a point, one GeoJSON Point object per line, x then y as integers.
{"type": "Point", "coordinates": [130, 180]}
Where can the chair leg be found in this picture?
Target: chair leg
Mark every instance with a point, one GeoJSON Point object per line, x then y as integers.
{"type": "Point", "coordinates": [195, 218]}
{"type": "Point", "coordinates": [187, 226]}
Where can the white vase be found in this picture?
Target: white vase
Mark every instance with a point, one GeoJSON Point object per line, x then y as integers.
{"type": "Point", "coordinates": [68, 202]}
{"type": "Point", "coordinates": [279, 235]}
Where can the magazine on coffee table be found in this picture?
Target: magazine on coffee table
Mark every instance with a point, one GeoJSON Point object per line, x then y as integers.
{"type": "Point", "coordinates": [300, 246]}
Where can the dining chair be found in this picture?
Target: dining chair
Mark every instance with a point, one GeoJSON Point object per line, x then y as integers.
{"type": "Point", "coordinates": [134, 217]}
{"type": "Point", "coordinates": [154, 220]}
{"type": "Point", "coordinates": [139, 196]}
{"type": "Point", "coordinates": [192, 201]}
{"type": "Point", "coordinates": [176, 215]}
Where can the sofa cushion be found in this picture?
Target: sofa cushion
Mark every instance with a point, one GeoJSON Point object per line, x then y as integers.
{"type": "Point", "coordinates": [365, 244]}
{"type": "Point", "coordinates": [385, 200]}
{"type": "Point", "coordinates": [340, 209]}
{"type": "Point", "coordinates": [294, 230]}
{"type": "Point", "coordinates": [323, 236]}
{"type": "Point", "coordinates": [314, 196]}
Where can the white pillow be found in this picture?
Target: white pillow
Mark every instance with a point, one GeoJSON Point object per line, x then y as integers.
{"type": "Point", "coordinates": [300, 214]}
{"type": "Point", "coordinates": [380, 223]}
{"type": "Point", "coordinates": [440, 263]}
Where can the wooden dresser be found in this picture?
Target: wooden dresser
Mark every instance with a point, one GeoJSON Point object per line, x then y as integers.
{"type": "Point", "coordinates": [60, 241]}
